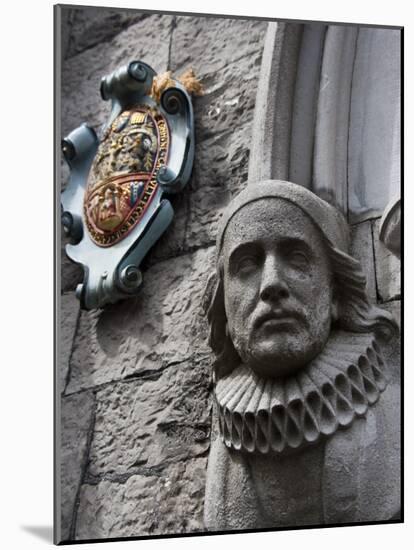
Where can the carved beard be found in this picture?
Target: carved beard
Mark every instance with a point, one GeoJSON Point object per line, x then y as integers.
{"type": "Point", "coordinates": [280, 414]}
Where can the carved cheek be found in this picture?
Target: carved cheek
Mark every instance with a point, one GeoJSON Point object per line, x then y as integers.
{"type": "Point", "coordinates": [321, 291]}
{"type": "Point", "coordinates": [301, 285]}
{"type": "Point", "coordinates": [240, 300]}
{"type": "Point", "coordinates": [231, 294]}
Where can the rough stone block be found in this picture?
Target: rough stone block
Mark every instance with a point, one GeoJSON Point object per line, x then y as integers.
{"type": "Point", "coordinates": [229, 81]}
{"type": "Point", "coordinates": [164, 324]}
{"type": "Point", "coordinates": [172, 242]}
{"type": "Point", "coordinates": [223, 122]}
{"type": "Point", "coordinates": [69, 311]}
{"type": "Point", "coordinates": [88, 26]}
{"type": "Point", "coordinates": [229, 96]}
{"type": "Point", "coordinates": [146, 423]}
{"type": "Point", "coordinates": [75, 424]}
{"type": "Point", "coordinates": [66, 19]}
{"type": "Point", "coordinates": [362, 249]}
{"type": "Point", "coordinates": [147, 40]}
{"type": "Point", "coordinates": [215, 42]}
{"type": "Point", "coordinates": [167, 502]}
{"type": "Point", "coordinates": [388, 269]}
{"type": "Point", "coordinates": [220, 173]}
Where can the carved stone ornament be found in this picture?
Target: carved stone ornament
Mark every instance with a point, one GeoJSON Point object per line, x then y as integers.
{"type": "Point", "coordinates": [266, 414]}
{"type": "Point", "coordinates": [115, 206]}
{"type": "Point", "coordinates": [306, 414]}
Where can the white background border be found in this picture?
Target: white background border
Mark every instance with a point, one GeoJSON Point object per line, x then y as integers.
{"type": "Point", "coordinates": [26, 353]}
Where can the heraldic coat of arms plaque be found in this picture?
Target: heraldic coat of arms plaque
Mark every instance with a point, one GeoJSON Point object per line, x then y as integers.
{"type": "Point", "coordinates": [115, 206]}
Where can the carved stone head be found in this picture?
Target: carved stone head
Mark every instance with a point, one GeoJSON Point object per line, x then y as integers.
{"type": "Point", "coordinates": [284, 280]}
{"type": "Point", "coordinates": [300, 378]}
{"type": "Point", "coordinates": [277, 286]}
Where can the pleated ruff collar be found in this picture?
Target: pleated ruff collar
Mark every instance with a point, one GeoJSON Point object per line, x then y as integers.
{"type": "Point", "coordinates": [276, 415]}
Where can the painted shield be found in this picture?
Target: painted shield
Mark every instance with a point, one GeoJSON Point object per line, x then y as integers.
{"type": "Point", "coordinates": [123, 177]}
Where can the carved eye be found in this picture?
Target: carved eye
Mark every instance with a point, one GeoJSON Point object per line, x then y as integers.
{"type": "Point", "coordinates": [298, 259]}
{"type": "Point", "coordinates": [246, 264]}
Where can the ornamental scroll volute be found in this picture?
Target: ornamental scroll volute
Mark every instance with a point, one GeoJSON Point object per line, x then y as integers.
{"type": "Point", "coordinates": [115, 206]}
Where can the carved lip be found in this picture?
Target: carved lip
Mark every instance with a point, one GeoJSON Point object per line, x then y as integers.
{"type": "Point", "coordinates": [277, 318]}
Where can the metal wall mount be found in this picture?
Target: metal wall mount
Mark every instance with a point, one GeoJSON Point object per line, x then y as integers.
{"type": "Point", "coordinates": [115, 206]}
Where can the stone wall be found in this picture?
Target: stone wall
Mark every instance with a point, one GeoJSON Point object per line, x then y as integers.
{"type": "Point", "coordinates": [135, 377]}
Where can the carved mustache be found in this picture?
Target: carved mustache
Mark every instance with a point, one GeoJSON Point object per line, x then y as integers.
{"type": "Point", "coordinates": [278, 314]}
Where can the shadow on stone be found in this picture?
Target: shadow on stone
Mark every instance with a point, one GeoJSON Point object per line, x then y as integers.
{"type": "Point", "coordinates": [114, 324]}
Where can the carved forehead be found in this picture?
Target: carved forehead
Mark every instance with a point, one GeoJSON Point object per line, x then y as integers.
{"type": "Point", "coordinates": [328, 220]}
{"type": "Point", "coordinates": [268, 220]}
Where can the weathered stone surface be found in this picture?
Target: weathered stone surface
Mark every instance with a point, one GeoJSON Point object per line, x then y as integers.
{"type": "Point", "coordinates": [220, 173]}
{"type": "Point", "coordinates": [370, 492]}
{"type": "Point", "coordinates": [388, 269]}
{"type": "Point", "coordinates": [172, 242]}
{"type": "Point", "coordinates": [220, 170]}
{"type": "Point", "coordinates": [145, 423]}
{"type": "Point", "coordinates": [305, 91]}
{"type": "Point", "coordinates": [164, 324]}
{"type": "Point", "coordinates": [392, 350]}
{"type": "Point", "coordinates": [214, 42]}
{"type": "Point", "coordinates": [75, 424]}
{"type": "Point", "coordinates": [362, 248]}
{"type": "Point", "coordinates": [274, 103]}
{"type": "Point", "coordinates": [81, 75]}
{"type": "Point", "coordinates": [68, 311]}
{"type": "Point", "coordinates": [167, 502]}
{"type": "Point", "coordinates": [223, 121]}
{"type": "Point", "coordinates": [229, 96]}
{"type": "Point", "coordinates": [89, 26]}
{"type": "Point", "coordinates": [65, 16]}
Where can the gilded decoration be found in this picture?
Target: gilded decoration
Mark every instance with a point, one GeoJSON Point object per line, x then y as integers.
{"type": "Point", "coordinates": [116, 204]}
{"type": "Point", "coordinates": [123, 176]}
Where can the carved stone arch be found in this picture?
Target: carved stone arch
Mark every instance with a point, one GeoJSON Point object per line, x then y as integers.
{"type": "Point", "coordinates": [328, 114]}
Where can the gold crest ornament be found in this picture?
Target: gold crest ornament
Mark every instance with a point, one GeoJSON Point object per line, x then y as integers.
{"type": "Point", "coordinates": [123, 177]}
{"type": "Point", "coordinates": [116, 203]}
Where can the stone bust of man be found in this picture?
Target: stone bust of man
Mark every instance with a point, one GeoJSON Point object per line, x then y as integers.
{"type": "Point", "coordinates": [306, 416]}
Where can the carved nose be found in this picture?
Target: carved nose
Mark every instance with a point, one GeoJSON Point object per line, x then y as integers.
{"type": "Point", "coordinates": [273, 287]}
